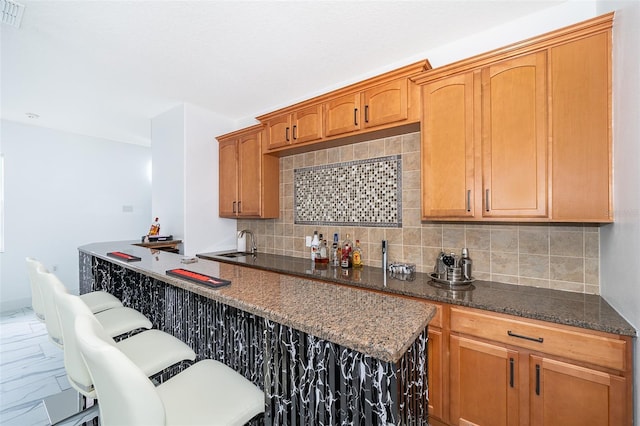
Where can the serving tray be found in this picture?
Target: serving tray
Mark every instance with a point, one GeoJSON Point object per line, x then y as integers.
{"type": "Point", "coordinates": [197, 277]}
{"type": "Point", "coordinates": [451, 283]}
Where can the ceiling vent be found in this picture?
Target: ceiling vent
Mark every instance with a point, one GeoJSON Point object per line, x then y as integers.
{"type": "Point", "coordinates": [11, 12]}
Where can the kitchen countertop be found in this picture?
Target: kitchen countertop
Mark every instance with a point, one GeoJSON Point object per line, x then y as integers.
{"type": "Point", "coordinates": [561, 307]}
{"type": "Point", "coordinates": [379, 325]}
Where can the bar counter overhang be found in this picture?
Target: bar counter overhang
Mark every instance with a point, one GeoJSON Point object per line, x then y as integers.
{"type": "Point", "coordinates": [323, 353]}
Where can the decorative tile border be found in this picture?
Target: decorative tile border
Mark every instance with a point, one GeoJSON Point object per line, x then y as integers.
{"type": "Point", "coordinates": [355, 193]}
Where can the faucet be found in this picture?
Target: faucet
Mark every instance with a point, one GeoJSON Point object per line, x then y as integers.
{"type": "Point", "coordinates": [254, 249]}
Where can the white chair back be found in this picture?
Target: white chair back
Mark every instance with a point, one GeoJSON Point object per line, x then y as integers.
{"type": "Point", "coordinates": [49, 285]}
{"type": "Point", "coordinates": [69, 308]}
{"type": "Point", "coordinates": [36, 295]}
{"type": "Point", "coordinates": [126, 396]}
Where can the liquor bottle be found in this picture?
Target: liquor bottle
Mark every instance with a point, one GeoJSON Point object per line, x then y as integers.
{"type": "Point", "coordinates": [323, 252]}
{"type": "Point", "coordinates": [336, 252]}
{"type": "Point", "coordinates": [155, 228]}
{"type": "Point", "coordinates": [357, 256]}
{"type": "Point", "coordinates": [315, 243]}
{"type": "Point", "coordinates": [347, 248]}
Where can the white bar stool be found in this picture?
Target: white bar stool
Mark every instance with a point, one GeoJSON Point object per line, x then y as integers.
{"type": "Point", "coordinates": [97, 301]}
{"type": "Point", "coordinates": [152, 351]}
{"type": "Point", "coordinates": [208, 392]}
{"type": "Point", "coordinates": [116, 321]}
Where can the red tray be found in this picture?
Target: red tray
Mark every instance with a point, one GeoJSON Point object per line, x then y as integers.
{"type": "Point", "coordinates": [123, 256]}
{"type": "Point", "coordinates": [197, 277]}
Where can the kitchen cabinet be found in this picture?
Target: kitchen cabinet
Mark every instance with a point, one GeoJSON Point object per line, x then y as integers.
{"type": "Point", "coordinates": [581, 128]}
{"type": "Point", "coordinates": [523, 132]}
{"type": "Point", "coordinates": [435, 365]}
{"type": "Point", "coordinates": [376, 106]}
{"type": "Point", "coordinates": [510, 371]}
{"type": "Point", "coordinates": [248, 179]}
{"type": "Point", "coordinates": [484, 142]}
{"type": "Point", "coordinates": [382, 102]}
{"type": "Point", "coordinates": [304, 125]}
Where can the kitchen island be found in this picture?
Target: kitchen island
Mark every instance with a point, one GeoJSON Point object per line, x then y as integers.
{"type": "Point", "coordinates": [323, 353]}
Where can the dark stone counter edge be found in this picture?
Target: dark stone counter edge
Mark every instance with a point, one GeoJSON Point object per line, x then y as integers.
{"type": "Point", "coordinates": [623, 328]}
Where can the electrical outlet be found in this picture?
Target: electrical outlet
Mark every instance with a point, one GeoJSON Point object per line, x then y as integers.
{"type": "Point", "coordinates": [307, 240]}
{"type": "Point", "coordinates": [54, 268]}
{"type": "Point", "coordinates": [127, 209]}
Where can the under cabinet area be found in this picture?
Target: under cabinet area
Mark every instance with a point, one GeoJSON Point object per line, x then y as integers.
{"type": "Point", "coordinates": [303, 125]}
{"type": "Point", "coordinates": [496, 369]}
{"type": "Point", "coordinates": [248, 179]}
{"type": "Point", "coordinates": [523, 132]}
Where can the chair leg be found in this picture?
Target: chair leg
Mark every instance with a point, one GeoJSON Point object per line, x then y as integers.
{"type": "Point", "coordinates": [68, 407]}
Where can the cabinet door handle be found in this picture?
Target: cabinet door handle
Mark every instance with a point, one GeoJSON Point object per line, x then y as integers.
{"type": "Point", "coordinates": [234, 207]}
{"type": "Point", "coordinates": [520, 336]}
{"type": "Point", "coordinates": [295, 132]}
{"type": "Point", "coordinates": [239, 209]}
{"type": "Point", "coordinates": [366, 113]}
{"type": "Point", "coordinates": [511, 371]}
{"type": "Point", "coordinates": [286, 134]}
{"type": "Point", "coordinates": [355, 116]}
{"type": "Point", "coordinates": [468, 200]}
{"type": "Point", "coordinates": [538, 379]}
{"type": "Point", "coordinates": [486, 199]}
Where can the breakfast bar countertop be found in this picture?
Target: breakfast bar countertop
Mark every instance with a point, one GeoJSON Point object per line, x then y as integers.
{"type": "Point", "coordinates": [586, 311]}
{"type": "Point", "coordinates": [382, 326]}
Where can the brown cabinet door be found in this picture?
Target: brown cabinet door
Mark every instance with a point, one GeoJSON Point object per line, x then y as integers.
{"type": "Point", "coordinates": [514, 137]}
{"type": "Point", "coordinates": [448, 148]}
{"type": "Point", "coordinates": [342, 115]}
{"type": "Point", "coordinates": [386, 103]}
{"type": "Point", "coordinates": [434, 373]}
{"type": "Point", "coordinates": [279, 131]}
{"type": "Point", "coordinates": [484, 388]}
{"type": "Point", "coordinates": [581, 133]}
{"type": "Point", "coordinates": [307, 124]}
{"type": "Point", "coordinates": [228, 178]}
{"type": "Point", "coordinates": [250, 172]}
{"type": "Point", "coordinates": [563, 394]}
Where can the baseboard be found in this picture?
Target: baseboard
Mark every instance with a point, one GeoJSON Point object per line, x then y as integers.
{"type": "Point", "coordinates": [9, 306]}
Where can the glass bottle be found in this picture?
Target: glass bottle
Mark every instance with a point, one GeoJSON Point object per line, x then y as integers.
{"type": "Point", "coordinates": [347, 249]}
{"type": "Point", "coordinates": [357, 256]}
{"type": "Point", "coordinates": [336, 252]}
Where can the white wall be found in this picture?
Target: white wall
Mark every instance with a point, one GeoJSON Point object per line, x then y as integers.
{"type": "Point", "coordinates": [167, 147]}
{"type": "Point", "coordinates": [620, 242]}
{"type": "Point", "coordinates": [64, 190]}
{"type": "Point", "coordinates": [204, 230]}
{"type": "Point", "coordinates": [185, 178]}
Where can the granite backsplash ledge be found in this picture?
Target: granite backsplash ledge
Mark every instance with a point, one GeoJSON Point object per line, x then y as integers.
{"type": "Point", "coordinates": [536, 255]}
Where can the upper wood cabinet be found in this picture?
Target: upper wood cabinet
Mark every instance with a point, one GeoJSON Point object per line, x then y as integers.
{"type": "Point", "coordinates": [484, 142]}
{"type": "Point", "coordinates": [304, 125]}
{"type": "Point", "coordinates": [523, 132]}
{"type": "Point", "coordinates": [377, 106]}
{"type": "Point", "coordinates": [248, 179]}
{"type": "Point", "coordinates": [581, 129]}
{"type": "Point", "coordinates": [514, 138]}
{"type": "Point", "coordinates": [381, 102]}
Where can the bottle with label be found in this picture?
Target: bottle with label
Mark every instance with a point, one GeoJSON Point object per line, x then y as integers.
{"type": "Point", "coordinates": [323, 251]}
{"type": "Point", "coordinates": [347, 249]}
{"type": "Point", "coordinates": [155, 228]}
{"type": "Point", "coordinates": [315, 244]}
{"type": "Point", "coordinates": [335, 251]}
{"type": "Point", "coordinates": [356, 257]}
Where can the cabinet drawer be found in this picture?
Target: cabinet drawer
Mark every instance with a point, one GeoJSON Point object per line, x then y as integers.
{"type": "Point", "coordinates": [543, 337]}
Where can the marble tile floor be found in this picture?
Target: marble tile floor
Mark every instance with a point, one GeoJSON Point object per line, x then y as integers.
{"type": "Point", "coordinates": [31, 368]}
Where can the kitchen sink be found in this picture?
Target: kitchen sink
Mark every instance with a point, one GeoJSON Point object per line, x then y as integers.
{"type": "Point", "coordinates": [235, 254]}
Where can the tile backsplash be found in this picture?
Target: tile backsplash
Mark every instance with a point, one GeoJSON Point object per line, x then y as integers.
{"type": "Point", "coordinates": [540, 255]}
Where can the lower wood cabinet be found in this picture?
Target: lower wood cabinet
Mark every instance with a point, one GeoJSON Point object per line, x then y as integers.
{"type": "Point", "coordinates": [485, 369]}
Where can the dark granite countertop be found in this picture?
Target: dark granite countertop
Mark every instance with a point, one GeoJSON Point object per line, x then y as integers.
{"type": "Point", "coordinates": [379, 325]}
{"type": "Point", "coordinates": [561, 307]}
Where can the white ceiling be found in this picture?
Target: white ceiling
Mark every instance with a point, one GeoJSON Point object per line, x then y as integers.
{"type": "Point", "coordinates": [105, 68]}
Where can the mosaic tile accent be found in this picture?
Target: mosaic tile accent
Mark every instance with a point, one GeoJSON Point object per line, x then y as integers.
{"type": "Point", "coordinates": [357, 193]}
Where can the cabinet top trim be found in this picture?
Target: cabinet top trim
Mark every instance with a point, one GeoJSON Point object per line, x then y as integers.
{"type": "Point", "coordinates": [236, 133]}
{"type": "Point", "coordinates": [543, 41]}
